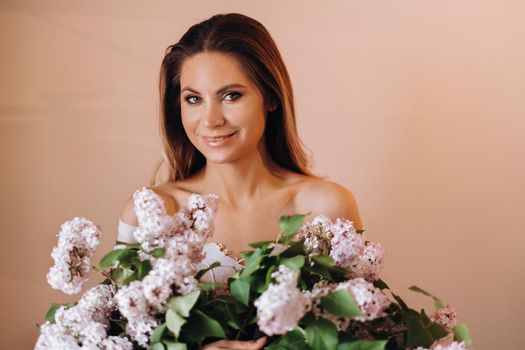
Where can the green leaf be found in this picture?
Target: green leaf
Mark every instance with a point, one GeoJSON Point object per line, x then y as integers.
{"type": "Point", "coordinates": [400, 301]}
{"type": "Point", "coordinates": [182, 304]}
{"type": "Point", "coordinates": [289, 224]}
{"type": "Point", "coordinates": [122, 275]}
{"type": "Point", "coordinates": [341, 303]}
{"type": "Point", "coordinates": [240, 290]}
{"type": "Point", "coordinates": [295, 249]}
{"type": "Point", "coordinates": [205, 325]}
{"type": "Point", "coordinates": [156, 346]}
{"type": "Point", "coordinates": [380, 284]}
{"type": "Point", "coordinates": [263, 244]}
{"type": "Point", "coordinates": [109, 259]}
{"type": "Point", "coordinates": [323, 260]}
{"type": "Point", "coordinates": [203, 271]}
{"type": "Point", "coordinates": [321, 335]}
{"type": "Point", "coordinates": [208, 287]}
{"type": "Point", "coordinates": [437, 302]}
{"type": "Point", "coordinates": [321, 271]}
{"type": "Point", "coordinates": [174, 322]}
{"type": "Point", "coordinates": [50, 315]}
{"type": "Point", "coordinates": [363, 345]}
{"type": "Point", "coordinates": [461, 334]}
{"type": "Point", "coordinates": [170, 345]}
{"type": "Point", "coordinates": [295, 263]}
{"type": "Point", "coordinates": [291, 340]}
{"type": "Point", "coordinates": [252, 263]}
{"type": "Point", "coordinates": [268, 277]}
{"type": "Point", "coordinates": [158, 333]}
{"type": "Point", "coordinates": [158, 253]}
{"type": "Point", "coordinates": [143, 268]}
{"type": "Point", "coordinates": [417, 333]}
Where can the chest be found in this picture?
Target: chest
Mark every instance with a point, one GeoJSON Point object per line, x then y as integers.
{"type": "Point", "coordinates": [236, 229]}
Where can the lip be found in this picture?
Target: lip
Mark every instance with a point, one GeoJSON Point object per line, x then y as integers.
{"type": "Point", "coordinates": [216, 136]}
{"type": "Point", "coordinates": [209, 140]}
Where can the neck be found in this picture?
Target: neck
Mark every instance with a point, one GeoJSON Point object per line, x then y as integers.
{"type": "Point", "coordinates": [242, 181]}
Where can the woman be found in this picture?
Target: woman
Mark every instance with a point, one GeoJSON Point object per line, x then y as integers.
{"type": "Point", "coordinates": [228, 127]}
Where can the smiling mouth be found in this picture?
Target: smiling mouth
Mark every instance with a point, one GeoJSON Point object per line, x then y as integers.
{"type": "Point", "coordinates": [217, 139]}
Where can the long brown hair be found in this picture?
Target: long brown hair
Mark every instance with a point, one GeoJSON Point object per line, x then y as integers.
{"type": "Point", "coordinates": [250, 42]}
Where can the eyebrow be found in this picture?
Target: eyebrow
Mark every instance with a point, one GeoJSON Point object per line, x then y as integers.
{"type": "Point", "coordinates": [218, 92]}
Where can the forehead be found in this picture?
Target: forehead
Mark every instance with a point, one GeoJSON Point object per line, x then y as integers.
{"type": "Point", "coordinates": [208, 71]}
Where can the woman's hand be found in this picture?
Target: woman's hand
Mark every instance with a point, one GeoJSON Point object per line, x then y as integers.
{"type": "Point", "coordinates": [236, 345]}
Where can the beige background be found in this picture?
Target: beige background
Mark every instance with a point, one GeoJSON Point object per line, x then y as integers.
{"type": "Point", "coordinates": [415, 106]}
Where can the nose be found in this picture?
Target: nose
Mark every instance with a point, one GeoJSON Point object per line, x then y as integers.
{"type": "Point", "coordinates": [213, 116]}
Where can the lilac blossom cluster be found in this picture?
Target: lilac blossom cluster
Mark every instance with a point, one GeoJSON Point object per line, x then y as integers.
{"type": "Point", "coordinates": [77, 241]}
{"type": "Point", "coordinates": [184, 233]}
{"type": "Point", "coordinates": [140, 301]}
{"type": "Point", "coordinates": [342, 242]}
{"type": "Point", "coordinates": [446, 343]}
{"type": "Point", "coordinates": [83, 326]}
{"type": "Point", "coordinates": [282, 305]}
{"type": "Point", "coordinates": [371, 300]}
{"type": "Point", "coordinates": [448, 318]}
{"type": "Point", "coordinates": [182, 236]}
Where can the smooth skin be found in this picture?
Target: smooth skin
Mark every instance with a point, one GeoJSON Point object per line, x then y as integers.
{"type": "Point", "coordinates": [252, 199]}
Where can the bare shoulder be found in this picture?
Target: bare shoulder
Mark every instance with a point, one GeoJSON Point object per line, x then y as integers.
{"type": "Point", "coordinates": [327, 197]}
{"type": "Point", "coordinates": [127, 214]}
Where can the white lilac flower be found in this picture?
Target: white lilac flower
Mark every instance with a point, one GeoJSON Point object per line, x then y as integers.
{"type": "Point", "coordinates": [166, 273]}
{"type": "Point", "coordinates": [116, 343]}
{"type": "Point", "coordinates": [452, 346]}
{"type": "Point", "coordinates": [82, 326]}
{"type": "Point", "coordinates": [99, 301]}
{"type": "Point", "coordinates": [151, 215]}
{"type": "Point", "coordinates": [446, 316]}
{"type": "Point", "coordinates": [52, 336]}
{"type": "Point", "coordinates": [131, 300]}
{"type": "Point", "coordinates": [185, 232]}
{"type": "Point", "coordinates": [77, 241]}
{"type": "Point", "coordinates": [369, 263]}
{"type": "Point", "coordinates": [282, 305]}
{"type": "Point", "coordinates": [316, 234]}
{"type": "Point", "coordinates": [133, 305]}
{"type": "Point", "coordinates": [371, 300]}
{"type": "Point", "coordinates": [141, 328]}
{"type": "Point", "coordinates": [346, 244]}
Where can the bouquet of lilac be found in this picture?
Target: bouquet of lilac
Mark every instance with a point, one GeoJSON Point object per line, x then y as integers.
{"type": "Point", "coordinates": [316, 287]}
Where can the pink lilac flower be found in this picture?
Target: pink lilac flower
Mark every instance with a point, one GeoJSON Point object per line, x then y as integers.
{"type": "Point", "coordinates": [319, 290]}
{"type": "Point", "coordinates": [282, 305]}
{"type": "Point", "coordinates": [83, 326]}
{"type": "Point", "coordinates": [316, 234]}
{"type": "Point", "coordinates": [446, 343]}
{"type": "Point", "coordinates": [371, 300]}
{"type": "Point", "coordinates": [183, 233]}
{"type": "Point", "coordinates": [369, 263]}
{"type": "Point", "coordinates": [346, 244]}
{"type": "Point", "coordinates": [77, 241]}
{"type": "Point", "coordinates": [446, 316]}
{"type": "Point", "coordinates": [133, 305]}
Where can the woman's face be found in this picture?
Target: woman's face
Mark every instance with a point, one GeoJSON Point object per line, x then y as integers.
{"type": "Point", "coordinates": [222, 111]}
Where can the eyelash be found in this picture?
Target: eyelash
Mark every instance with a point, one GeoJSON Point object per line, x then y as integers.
{"type": "Point", "coordinates": [229, 93]}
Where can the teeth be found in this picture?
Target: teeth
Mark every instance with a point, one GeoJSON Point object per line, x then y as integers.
{"type": "Point", "coordinates": [218, 138]}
